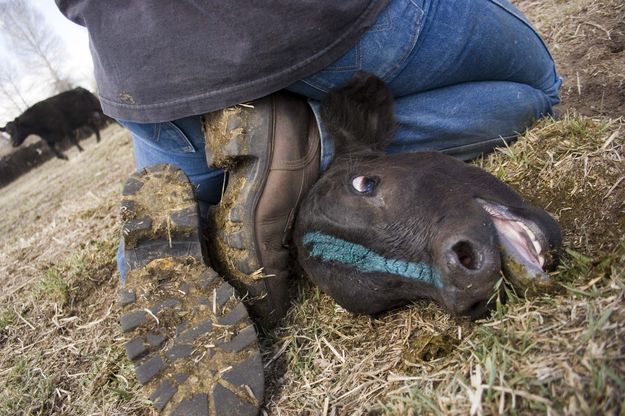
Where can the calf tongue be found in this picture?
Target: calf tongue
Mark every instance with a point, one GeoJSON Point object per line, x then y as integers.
{"type": "Point", "coordinates": [522, 253]}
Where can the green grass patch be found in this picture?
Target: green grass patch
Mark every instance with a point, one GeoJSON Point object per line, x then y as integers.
{"type": "Point", "coordinates": [27, 390]}
{"type": "Point", "coordinates": [53, 286]}
{"type": "Point", "coordinates": [7, 317]}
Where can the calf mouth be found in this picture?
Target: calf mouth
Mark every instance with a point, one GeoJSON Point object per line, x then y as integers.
{"type": "Point", "coordinates": [525, 252]}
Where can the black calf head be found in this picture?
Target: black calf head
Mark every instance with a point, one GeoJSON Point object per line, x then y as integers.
{"type": "Point", "coordinates": [12, 130]}
{"type": "Point", "coordinates": [378, 231]}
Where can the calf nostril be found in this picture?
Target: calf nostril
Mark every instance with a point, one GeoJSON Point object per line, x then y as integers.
{"type": "Point", "coordinates": [466, 255]}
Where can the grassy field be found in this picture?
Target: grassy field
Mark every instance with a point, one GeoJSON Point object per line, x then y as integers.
{"type": "Point", "coordinates": [549, 353]}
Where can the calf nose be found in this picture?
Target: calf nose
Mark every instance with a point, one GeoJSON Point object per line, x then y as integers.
{"type": "Point", "coordinates": [470, 267]}
{"type": "Point", "coordinates": [464, 256]}
{"type": "Point", "coordinates": [468, 260]}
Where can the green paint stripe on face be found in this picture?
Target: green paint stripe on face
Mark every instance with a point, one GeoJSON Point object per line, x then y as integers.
{"type": "Point", "coordinates": [329, 248]}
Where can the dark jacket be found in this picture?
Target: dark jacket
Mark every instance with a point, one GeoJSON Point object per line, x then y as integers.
{"type": "Point", "coordinates": [166, 59]}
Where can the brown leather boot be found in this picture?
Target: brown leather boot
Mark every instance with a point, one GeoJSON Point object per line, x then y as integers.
{"type": "Point", "coordinates": [270, 149]}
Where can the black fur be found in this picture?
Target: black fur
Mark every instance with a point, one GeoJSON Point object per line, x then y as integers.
{"type": "Point", "coordinates": [360, 115]}
{"type": "Point", "coordinates": [424, 209]}
{"type": "Point", "coordinates": [57, 118]}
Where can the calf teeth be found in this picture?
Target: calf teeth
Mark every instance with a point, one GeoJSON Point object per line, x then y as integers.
{"type": "Point", "coordinates": [532, 237]}
{"type": "Point", "coordinates": [529, 232]}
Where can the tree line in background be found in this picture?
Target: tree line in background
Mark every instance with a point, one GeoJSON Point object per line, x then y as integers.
{"type": "Point", "coordinates": [37, 59]}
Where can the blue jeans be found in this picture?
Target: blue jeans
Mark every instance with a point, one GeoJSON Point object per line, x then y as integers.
{"type": "Point", "coordinates": [467, 76]}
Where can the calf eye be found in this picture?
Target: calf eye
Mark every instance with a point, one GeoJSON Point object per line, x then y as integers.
{"type": "Point", "coordinates": [364, 184]}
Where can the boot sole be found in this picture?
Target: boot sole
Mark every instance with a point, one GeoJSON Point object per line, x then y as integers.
{"type": "Point", "coordinates": [233, 137]}
{"type": "Point", "coordinates": [190, 338]}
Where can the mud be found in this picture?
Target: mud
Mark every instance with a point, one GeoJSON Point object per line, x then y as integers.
{"type": "Point", "coordinates": [169, 278]}
{"type": "Point", "coordinates": [216, 127]}
{"type": "Point", "coordinates": [587, 41]}
{"type": "Point", "coordinates": [429, 346]}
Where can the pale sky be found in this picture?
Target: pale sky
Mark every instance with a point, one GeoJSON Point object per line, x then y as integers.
{"type": "Point", "coordinates": [75, 36]}
{"type": "Point", "coordinates": [76, 41]}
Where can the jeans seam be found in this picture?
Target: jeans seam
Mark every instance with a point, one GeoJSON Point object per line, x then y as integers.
{"type": "Point", "coordinates": [413, 42]}
{"type": "Point", "coordinates": [159, 149]}
{"type": "Point", "coordinates": [317, 87]}
{"type": "Point", "coordinates": [153, 142]}
{"type": "Point", "coordinates": [389, 72]}
{"type": "Point", "coordinates": [189, 144]}
{"type": "Point", "coordinates": [482, 143]}
{"type": "Point", "coordinates": [345, 68]}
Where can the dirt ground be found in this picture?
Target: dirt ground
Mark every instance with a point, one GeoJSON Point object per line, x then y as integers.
{"type": "Point", "coordinates": [61, 350]}
{"type": "Point", "coordinates": [587, 41]}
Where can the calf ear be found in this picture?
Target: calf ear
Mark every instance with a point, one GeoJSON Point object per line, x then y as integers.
{"type": "Point", "coordinates": [3, 128]}
{"type": "Point", "coordinates": [360, 115]}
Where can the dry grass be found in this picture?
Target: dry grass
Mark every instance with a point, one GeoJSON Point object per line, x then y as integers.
{"type": "Point", "coordinates": [52, 212]}
{"type": "Point", "coordinates": [551, 354]}
{"type": "Point", "coordinates": [61, 351]}
{"type": "Point", "coordinates": [59, 346]}
{"type": "Point", "coordinates": [575, 169]}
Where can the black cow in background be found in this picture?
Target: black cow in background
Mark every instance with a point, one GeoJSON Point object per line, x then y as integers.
{"type": "Point", "coordinates": [57, 118]}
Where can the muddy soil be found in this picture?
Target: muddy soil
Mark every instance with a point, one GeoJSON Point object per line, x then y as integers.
{"type": "Point", "coordinates": [587, 41]}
